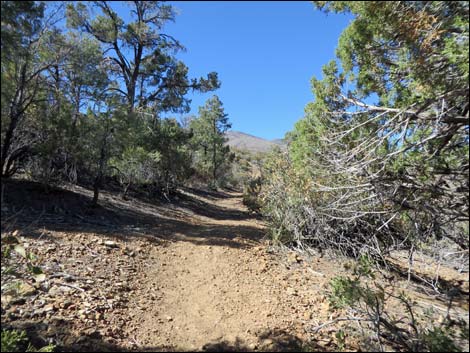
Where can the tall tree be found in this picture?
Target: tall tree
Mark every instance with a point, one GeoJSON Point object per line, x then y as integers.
{"type": "Point", "coordinates": [147, 78]}
{"type": "Point", "coordinates": [142, 60]}
{"type": "Point", "coordinates": [85, 78]}
{"type": "Point", "coordinates": [24, 32]}
{"type": "Point", "coordinates": [209, 130]}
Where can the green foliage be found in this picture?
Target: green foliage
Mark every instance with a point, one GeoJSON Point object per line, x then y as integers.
{"type": "Point", "coordinates": [152, 76]}
{"type": "Point", "coordinates": [369, 303]}
{"type": "Point", "coordinates": [438, 340]}
{"type": "Point", "coordinates": [21, 20]}
{"type": "Point", "coordinates": [251, 194]}
{"type": "Point", "coordinates": [17, 341]}
{"type": "Point", "coordinates": [212, 155]}
{"type": "Point", "coordinates": [340, 336]}
{"type": "Point", "coordinates": [134, 165]}
{"type": "Point", "coordinates": [284, 194]}
{"type": "Point", "coordinates": [92, 96]}
{"type": "Point", "coordinates": [363, 267]}
{"type": "Point", "coordinates": [22, 66]}
{"type": "Point", "coordinates": [12, 244]}
{"type": "Point", "coordinates": [13, 340]}
{"type": "Point", "coordinates": [345, 292]}
{"type": "Point", "coordinates": [172, 142]}
{"type": "Point", "coordinates": [360, 177]}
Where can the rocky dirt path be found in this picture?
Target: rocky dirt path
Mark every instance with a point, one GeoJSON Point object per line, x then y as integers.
{"type": "Point", "coordinates": [214, 286]}
{"type": "Point", "coordinates": [193, 274]}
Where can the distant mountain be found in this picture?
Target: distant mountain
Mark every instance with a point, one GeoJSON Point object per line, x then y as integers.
{"type": "Point", "coordinates": [242, 141]}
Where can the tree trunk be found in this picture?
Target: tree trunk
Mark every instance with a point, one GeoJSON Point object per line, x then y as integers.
{"type": "Point", "coordinates": [99, 176]}
{"type": "Point", "coordinates": [15, 113]}
{"type": "Point", "coordinates": [96, 190]}
{"type": "Point", "coordinates": [126, 188]}
{"type": "Point", "coordinates": [214, 152]}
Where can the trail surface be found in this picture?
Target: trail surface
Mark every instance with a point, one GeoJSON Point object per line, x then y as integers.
{"type": "Point", "coordinates": [193, 274]}
{"type": "Point", "coordinates": [214, 286]}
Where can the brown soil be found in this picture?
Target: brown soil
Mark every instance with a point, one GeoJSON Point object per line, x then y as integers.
{"type": "Point", "coordinates": [195, 274]}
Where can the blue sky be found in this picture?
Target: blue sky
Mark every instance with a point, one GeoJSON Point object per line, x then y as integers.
{"type": "Point", "coordinates": [265, 54]}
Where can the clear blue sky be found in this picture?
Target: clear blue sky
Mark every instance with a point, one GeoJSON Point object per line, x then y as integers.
{"type": "Point", "coordinates": [265, 54]}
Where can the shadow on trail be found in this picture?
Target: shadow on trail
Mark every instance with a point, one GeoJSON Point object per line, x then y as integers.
{"type": "Point", "coordinates": [210, 210]}
{"type": "Point", "coordinates": [68, 339]}
{"type": "Point", "coordinates": [29, 208]}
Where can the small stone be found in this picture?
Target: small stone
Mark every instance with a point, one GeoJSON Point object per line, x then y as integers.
{"type": "Point", "coordinates": [252, 346]}
{"type": "Point", "coordinates": [111, 244]}
{"type": "Point", "coordinates": [169, 318]}
{"type": "Point", "coordinates": [26, 289]}
{"type": "Point", "coordinates": [18, 301]}
{"type": "Point", "coordinates": [66, 304]}
{"type": "Point", "coordinates": [7, 300]}
{"type": "Point", "coordinates": [291, 291]}
{"type": "Point", "coordinates": [49, 308]}
{"type": "Point", "coordinates": [268, 341]}
{"type": "Point", "coordinates": [92, 333]}
{"type": "Point", "coordinates": [293, 258]}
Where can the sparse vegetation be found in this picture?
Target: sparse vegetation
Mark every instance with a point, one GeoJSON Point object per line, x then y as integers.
{"type": "Point", "coordinates": [17, 341]}
{"type": "Point", "coordinates": [392, 318]}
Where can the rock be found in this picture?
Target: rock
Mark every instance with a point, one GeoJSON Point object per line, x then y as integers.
{"type": "Point", "coordinates": [92, 333]}
{"type": "Point", "coordinates": [55, 291]}
{"type": "Point", "coordinates": [43, 311]}
{"type": "Point", "coordinates": [169, 318]}
{"type": "Point", "coordinates": [291, 291]}
{"type": "Point", "coordinates": [40, 277]}
{"type": "Point", "coordinates": [6, 300]}
{"type": "Point", "coordinates": [268, 342]}
{"type": "Point", "coordinates": [293, 258]}
{"type": "Point", "coordinates": [18, 301]}
{"type": "Point", "coordinates": [325, 307]}
{"type": "Point", "coordinates": [111, 244]}
{"type": "Point", "coordinates": [66, 304]}
{"type": "Point", "coordinates": [252, 346]}
{"type": "Point", "coordinates": [49, 308]}
{"type": "Point", "coordinates": [39, 303]}
{"type": "Point", "coordinates": [26, 289]}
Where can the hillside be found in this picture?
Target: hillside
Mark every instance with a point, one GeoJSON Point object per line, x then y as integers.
{"type": "Point", "coordinates": [251, 143]}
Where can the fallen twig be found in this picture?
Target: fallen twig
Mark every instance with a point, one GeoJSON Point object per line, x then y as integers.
{"type": "Point", "coordinates": [318, 328]}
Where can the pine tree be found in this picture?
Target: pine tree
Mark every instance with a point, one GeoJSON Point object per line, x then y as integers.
{"type": "Point", "coordinates": [209, 138]}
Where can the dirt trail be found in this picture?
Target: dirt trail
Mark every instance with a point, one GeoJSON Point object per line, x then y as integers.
{"type": "Point", "coordinates": [193, 274]}
{"type": "Point", "coordinates": [213, 288]}
{"type": "Point", "coordinates": [140, 274]}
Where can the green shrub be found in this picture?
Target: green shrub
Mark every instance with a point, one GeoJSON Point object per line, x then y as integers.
{"type": "Point", "coordinates": [438, 340]}
{"type": "Point", "coordinates": [345, 292]}
{"type": "Point", "coordinates": [17, 341]}
{"type": "Point", "coordinates": [251, 192]}
{"type": "Point", "coordinates": [368, 302]}
{"type": "Point", "coordinates": [13, 341]}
